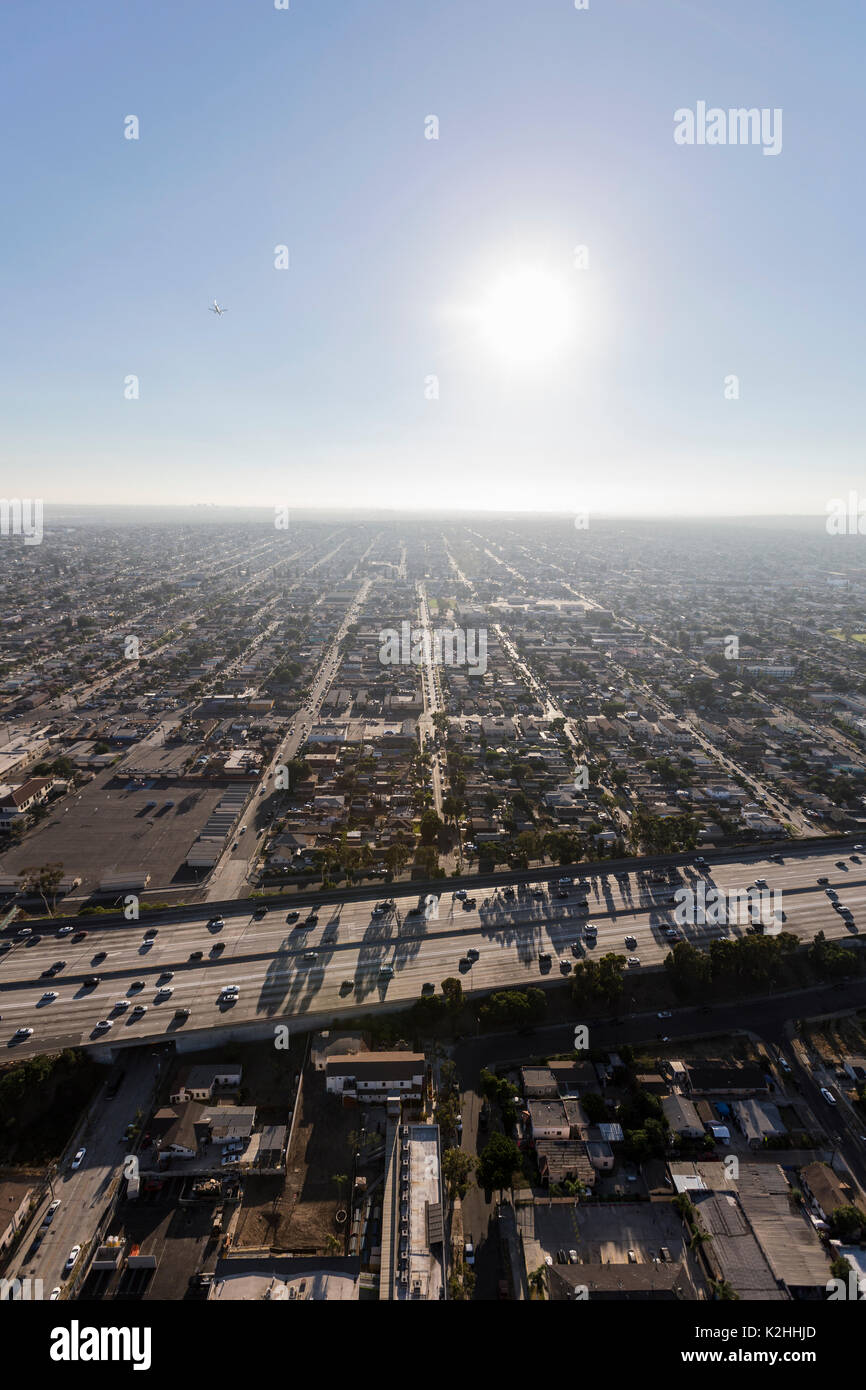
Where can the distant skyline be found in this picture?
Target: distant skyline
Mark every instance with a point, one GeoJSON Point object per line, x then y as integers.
{"type": "Point", "coordinates": [541, 310]}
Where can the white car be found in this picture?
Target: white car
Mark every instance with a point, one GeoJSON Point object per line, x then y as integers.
{"type": "Point", "coordinates": [165, 992]}
{"type": "Point", "coordinates": [64, 931]}
{"type": "Point", "coordinates": [633, 960]}
{"type": "Point", "coordinates": [828, 1096]}
{"type": "Point", "coordinates": [78, 1159]}
{"type": "Point", "coordinates": [23, 1032]}
{"type": "Point", "coordinates": [469, 1253]}
{"type": "Point", "coordinates": [104, 1024]}
{"type": "Point", "coordinates": [120, 1005]}
{"type": "Point", "coordinates": [54, 1294]}
{"type": "Point", "coordinates": [51, 1212]}
{"type": "Point", "coordinates": [71, 1258]}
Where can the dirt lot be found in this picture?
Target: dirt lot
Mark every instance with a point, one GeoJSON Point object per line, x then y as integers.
{"type": "Point", "coordinates": [298, 1215]}
{"type": "Point", "coordinates": [269, 1075]}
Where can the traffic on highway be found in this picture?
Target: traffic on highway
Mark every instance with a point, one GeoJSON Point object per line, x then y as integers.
{"type": "Point", "coordinates": [89, 982]}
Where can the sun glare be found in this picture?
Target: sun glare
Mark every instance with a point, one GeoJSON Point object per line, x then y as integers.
{"type": "Point", "coordinates": [526, 316]}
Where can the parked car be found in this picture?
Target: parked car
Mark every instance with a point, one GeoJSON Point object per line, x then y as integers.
{"type": "Point", "coordinates": [71, 1259]}
{"type": "Point", "coordinates": [828, 1096]}
{"type": "Point", "coordinates": [78, 1159]}
{"type": "Point", "coordinates": [469, 1253]}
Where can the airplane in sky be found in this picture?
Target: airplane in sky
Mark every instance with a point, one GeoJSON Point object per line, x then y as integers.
{"type": "Point", "coordinates": [215, 308]}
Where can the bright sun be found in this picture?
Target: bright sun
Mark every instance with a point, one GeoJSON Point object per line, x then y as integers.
{"type": "Point", "coordinates": [526, 316]}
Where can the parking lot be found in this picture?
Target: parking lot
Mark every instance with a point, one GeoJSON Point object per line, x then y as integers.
{"type": "Point", "coordinates": [605, 1234]}
{"type": "Point", "coordinates": [106, 827]}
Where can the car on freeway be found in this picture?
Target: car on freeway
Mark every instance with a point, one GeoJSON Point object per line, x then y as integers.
{"type": "Point", "coordinates": [135, 986]}
{"type": "Point", "coordinates": [79, 936]}
{"type": "Point", "coordinates": [784, 1064]}
{"type": "Point", "coordinates": [292, 916]}
{"type": "Point", "coordinates": [196, 955]}
{"type": "Point", "coordinates": [71, 1259]}
{"type": "Point", "coordinates": [103, 1025]}
{"type": "Point", "coordinates": [472, 954]}
{"type": "Point", "coordinates": [22, 1033]}
{"type": "Point", "coordinates": [100, 956]}
{"type": "Point", "coordinates": [165, 976]}
{"type": "Point", "coordinates": [181, 1015]}
{"type": "Point", "coordinates": [312, 919]}
{"type": "Point", "coordinates": [428, 988]}
{"type": "Point", "coordinates": [216, 922]}
{"type": "Point", "coordinates": [631, 942]}
{"type": "Point", "coordinates": [217, 948]}
{"type": "Point", "coordinates": [828, 1096]}
{"type": "Point", "coordinates": [230, 991]}
{"type": "Point", "coordinates": [91, 981]}
{"type": "Point", "coordinates": [164, 992]}
{"type": "Point", "coordinates": [151, 933]}
{"type": "Point", "coordinates": [53, 969]}
{"type": "Point", "coordinates": [665, 1013]}
{"type": "Point", "coordinates": [633, 960]}
{"type": "Point", "coordinates": [120, 1005]}
{"type": "Point", "coordinates": [564, 965]}
{"type": "Point", "coordinates": [386, 971]}
{"type": "Point", "coordinates": [64, 931]}
{"type": "Point", "coordinates": [823, 879]}
{"type": "Point", "coordinates": [78, 1159]}
{"type": "Point", "coordinates": [48, 996]}
{"type": "Point", "coordinates": [138, 1010]}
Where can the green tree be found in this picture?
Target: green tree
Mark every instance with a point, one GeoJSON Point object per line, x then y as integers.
{"type": "Point", "coordinates": [457, 1166]}
{"type": "Point", "coordinates": [847, 1222]}
{"type": "Point", "coordinates": [497, 1162]}
{"type": "Point", "coordinates": [452, 993]}
{"type": "Point", "coordinates": [44, 880]}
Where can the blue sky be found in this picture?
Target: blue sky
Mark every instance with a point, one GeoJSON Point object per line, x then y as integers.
{"type": "Point", "coordinates": [306, 128]}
